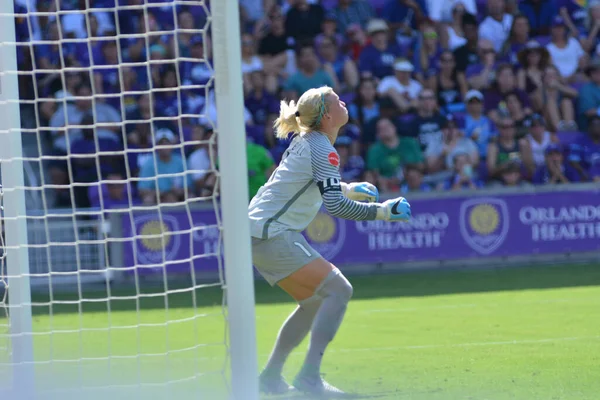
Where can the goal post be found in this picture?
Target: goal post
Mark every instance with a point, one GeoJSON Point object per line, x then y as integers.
{"type": "Point", "coordinates": [14, 213]}
{"type": "Point", "coordinates": [234, 201]}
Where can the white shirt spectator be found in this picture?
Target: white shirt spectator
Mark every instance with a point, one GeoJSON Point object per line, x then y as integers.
{"type": "Point", "coordinates": [76, 23]}
{"type": "Point", "coordinates": [496, 31]}
{"type": "Point", "coordinates": [566, 59]}
{"type": "Point", "coordinates": [199, 163]}
{"type": "Point", "coordinates": [391, 82]}
{"type": "Point", "coordinates": [442, 10]}
{"type": "Point", "coordinates": [455, 41]}
{"type": "Point", "coordinates": [255, 64]}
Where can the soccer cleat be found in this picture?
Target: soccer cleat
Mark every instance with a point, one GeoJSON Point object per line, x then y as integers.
{"type": "Point", "coordinates": [316, 386]}
{"type": "Point", "coordinates": [270, 384]}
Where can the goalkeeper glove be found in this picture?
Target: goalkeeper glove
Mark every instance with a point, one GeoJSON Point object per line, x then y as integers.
{"type": "Point", "coordinates": [396, 209]}
{"type": "Point", "coordinates": [361, 191]}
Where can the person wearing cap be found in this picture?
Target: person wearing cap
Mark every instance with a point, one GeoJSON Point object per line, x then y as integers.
{"type": "Point", "coordinates": [589, 95]}
{"type": "Point", "coordinates": [496, 26]}
{"type": "Point", "coordinates": [554, 169]}
{"type": "Point", "coordinates": [379, 56]}
{"type": "Point", "coordinates": [401, 88]}
{"type": "Point", "coordinates": [440, 155]}
{"type": "Point", "coordinates": [163, 173]}
{"type": "Point", "coordinates": [539, 140]}
{"type": "Point", "coordinates": [478, 127]}
{"type": "Point", "coordinates": [584, 152]}
{"type": "Point", "coordinates": [566, 52]}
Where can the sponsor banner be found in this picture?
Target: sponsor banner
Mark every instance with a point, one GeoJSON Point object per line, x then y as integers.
{"type": "Point", "coordinates": [441, 229]}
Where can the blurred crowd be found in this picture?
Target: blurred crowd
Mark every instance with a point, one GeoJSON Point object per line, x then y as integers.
{"type": "Point", "coordinates": [442, 95]}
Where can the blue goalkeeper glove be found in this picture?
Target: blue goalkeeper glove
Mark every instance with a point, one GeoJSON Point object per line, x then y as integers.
{"type": "Point", "coordinates": [396, 209]}
{"type": "Point", "coordinates": [361, 191]}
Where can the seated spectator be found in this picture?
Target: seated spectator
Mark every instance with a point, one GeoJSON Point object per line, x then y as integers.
{"type": "Point", "coordinates": [400, 88]}
{"type": "Point", "coordinates": [590, 42]}
{"type": "Point", "coordinates": [163, 174]}
{"type": "Point", "coordinates": [496, 26]}
{"type": "Point", "coordinates": [533, 60]}
{"type": "Point", "coordinates": [478, 127]}
{"type": "Point", "coordinates": [463, 176]}
{"type": "Point", "coordinates": [453, 36]}
{"type": "Point", "coordinates": [378, 57]}
{"type": "Point", "coordinates": [427, 54]}
{"type": "Point", "coordinates": [103, 157]}
{"type": "Point", "coordinates": [445, 83]}
{"type": "Point", "coordinates": [539, 139]}
{"type": "Point", "coordinates": [445, 11]}
{"type": "Point", "coordinates": [352, 133]}
{"type": "Point", "coordinates": [584, 153]}
{"type": "Point", "coordinates": [589, 96]}
{"type": "Point", "coordinates": [540, 13]}
{"type": "Point", "coordinates": [513, 107]}
{"type": "Point", "coordinates": [440, 156]}
{"type": "Point", "coordinates": [251, 62]}
{"type": "Point", "coordinates": [310, 73]}
{"type": "Point", "coordinates": [114, 192]}
{"type": "Point", "coordinates": [303, 20]}
{"type": "Point", "coordinates": [405, 15]}
{"type": "Point", "coordinates": [468, 54]}
{"type": "Point", "coordinates": [480, 75]}
{"type": "Point", "coordinates": [557, 99]}
{"type": "Point", "coordinates": [352, 167]}
{"type": "Point", "coordinates": [352, 12]}
{"type": "Point", "coordinates": [329, 29]}
{"type": "Point", "coordinates": [340, 67]}
{"type": "Point", "coordinates": [201, 162]}
{"type": "Point", "coordinates": [365, 107]}
{"type": "Point", "coordinates": [170, 101]}
{"type": "Point", "coordinates": [426, 127]}
{"type": "Point", "coordinates": [260, 167]}
{"type": "Point", "coordinates": [554, 170]}
{"type": "Point", "coordinates": [566, 52]}
{"type": "Point", "coordinates": [504, 85]}
{"type": "Point", "coordinates": [506, 148]}
{"type": "Point", "coordinates": [517, 40]}
{"type": "Point", "coordinates": [386, 156]}
{"type": "Point", "coordinates": [511, 176]}
{"type": "Point", "coordinates": [259, 102]}
{"type": "Point", "coordinates": [413, 181]}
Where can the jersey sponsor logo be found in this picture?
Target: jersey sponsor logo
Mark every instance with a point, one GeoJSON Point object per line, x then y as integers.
{"type": "Point", "coordinates": [329, 185]}
{"type": "Point", "coordinates": [334, 159]}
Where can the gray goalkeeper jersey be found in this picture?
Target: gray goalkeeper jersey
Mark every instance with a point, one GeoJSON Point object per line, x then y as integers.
{"type": "Point", "coordinates": [307, 177]}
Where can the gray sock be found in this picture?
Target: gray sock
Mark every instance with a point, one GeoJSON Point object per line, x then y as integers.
{"type": "Point", "coordinates": [336, 292]}
{"type": "Point", "coordinates": [291, 334]}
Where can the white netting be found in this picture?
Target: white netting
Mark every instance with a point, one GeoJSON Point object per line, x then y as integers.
{"type": "Point", "coordinates": [126, 270]}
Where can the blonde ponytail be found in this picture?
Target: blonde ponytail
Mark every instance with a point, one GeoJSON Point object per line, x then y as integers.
{"type": "Point", "coordinates": [288, 120]}
{"type": "Point", "coordinates": [304, 116]}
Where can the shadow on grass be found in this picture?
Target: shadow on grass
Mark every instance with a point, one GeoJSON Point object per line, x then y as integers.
{"type": "Point", "coordinates": [420, 283]}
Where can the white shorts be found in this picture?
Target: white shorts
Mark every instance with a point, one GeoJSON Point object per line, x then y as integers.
{"type": "Point", "coordinates": [278, 257]}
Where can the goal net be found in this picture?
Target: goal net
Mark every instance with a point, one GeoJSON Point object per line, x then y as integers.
{"type": "Point", "coordinates": [116, 199]}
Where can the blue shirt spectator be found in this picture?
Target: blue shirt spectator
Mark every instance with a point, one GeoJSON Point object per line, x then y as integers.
{"type": "Point", "coordinates": [589, 96]}
{"type": "Point", "coordinates": [584, 153]}
{"type": "Point", "coordinates": [379, 56]}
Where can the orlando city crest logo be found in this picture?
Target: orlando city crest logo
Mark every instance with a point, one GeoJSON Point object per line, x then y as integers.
{"type": "Point", "coordinates": [157, 239]}
{"type": "Point", "coordinates": [484, 223]}
{"type": "Point", "coordinates": [326, 234]}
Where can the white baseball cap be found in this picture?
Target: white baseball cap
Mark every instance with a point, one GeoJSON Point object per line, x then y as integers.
{"type": "Point", "coordinates": [164, 133]}
{"type": "Point", "coordinates": [473, 94]}
{"type": "Point", "coordinates": [404, 66]}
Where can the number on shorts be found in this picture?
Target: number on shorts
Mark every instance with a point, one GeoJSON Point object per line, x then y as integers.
{"type": "Point", "coordinates": [301, 247]}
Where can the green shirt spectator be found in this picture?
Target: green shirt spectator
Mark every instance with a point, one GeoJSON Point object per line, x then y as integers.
{"type": "Point", "coordinates": [260, 166]}
{"type": "Point", "coordinates": [387, 160]}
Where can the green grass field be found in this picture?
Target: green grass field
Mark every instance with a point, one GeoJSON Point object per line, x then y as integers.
{"type": "Point", "coordinates": [530, 333]}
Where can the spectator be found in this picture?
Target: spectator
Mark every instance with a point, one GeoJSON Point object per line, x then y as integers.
{"type": "Point", "coordinates": [447, 86]}
{"type": "Point", "coordinates": [404, 15]}
{"type": "Point", "coordinates": [259, 102]}
{"type": "Point", "coordinates": [533, 60]}
{"type": "Point", "coordinates": [426, 127]}
{"type": "Point", "coordinates": [463, 176]}
{"type": "Point", "coordinates": [260, 167]}
{"type": "Point", "coordinates": [584, 153]}
{"type": "Point", "coordinates": [400, 88]}
{"type": "Point", "coordinates": [453, 36]}
{"type": "Point", "coordinates": [413, 181]}
{"type": "Point", "coordinates": [273, 42]}
{"type": "Point", "coordinates": [386, 156]}
{"type": "Point", "coordinates": [310, 73]}
{"type": "Point", "coordinates": [540, 13]}
{"type": "Point", "coordinates": [505, 149]}
{"type": "Point", "coordinates": [504, 85]}
{"type": "Point", "coordinates": [477, 126]}
{"type": "Point", "coordinates": [589, 99]}
{"type": "Point", "coordinates": [554, 170]}
{"type": "Point", "coordinates": [303, 20]}
{"type": "Point", "coordinates": [557, 101]}
{"type": "Point", "coordinates": [115, 192]}
{"type": "Point", "coordinates": [378, 57]}
{"type": "Point", "coordinates": [251, 62]}
{"type": "Point", "coordinates": [566, 52]}
{"type": "Point", "coordinates": [468, 54]}
{"type": "Point", "coordinates": [330, 30]}
{"type": "Point", "coordinates": [444, 11]}
{"type": "Point", "coordinates": [427, 55]}
{"type": "Point", "coordinates": [352, 12]}
{"type": "Point", "coordinates": [365, 107]}
{"type": "Point", "coordinates": [202, 161]}
{"type": "Point", "coordinates": [440, 155]}
{"type": "Point", "coordinates": [480, 75]}
{"type": "Point", "coordinates": [518, 39]}
{"type": "Point", "coordinates": [339, 66]}
{"type": "Point", "coordinates": [513, 107]}
{"type": "Point", "coordinates": [590, 42]}
{"type": "Point", "coordinates": [511, 176]}
{"type": "Point", "coordinates": [496, 26]}
{"type": "Point", "coordinates": [539, 139]}
{"type": "Point", "coordinates": [352, 167]}
{"type": "Point", "coordinates": [162, 177]}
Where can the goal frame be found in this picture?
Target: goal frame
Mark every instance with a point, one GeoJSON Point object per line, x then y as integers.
{"type": "Point", "coordinates": [239, 278]}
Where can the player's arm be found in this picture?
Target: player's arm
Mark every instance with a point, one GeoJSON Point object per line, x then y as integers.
{"type": "Point", "coordinates": [328, 179]}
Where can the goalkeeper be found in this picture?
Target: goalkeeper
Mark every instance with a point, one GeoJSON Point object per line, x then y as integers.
{"type": "Point", "coordinates": [306, 178]}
